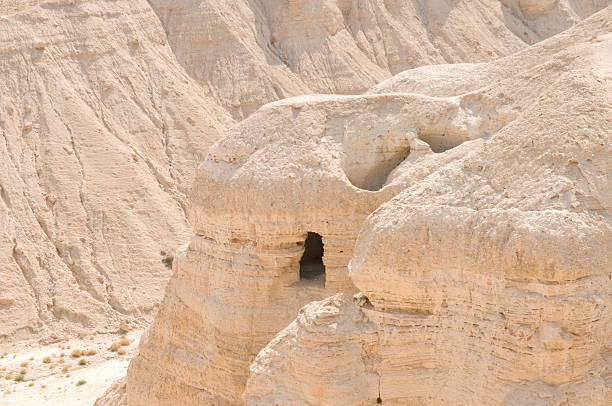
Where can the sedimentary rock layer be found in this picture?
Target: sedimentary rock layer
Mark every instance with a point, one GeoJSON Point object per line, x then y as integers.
{"type": "Point", "coordinates": [316, 164]}
{"type": "Point", "coordinates": [248, 53]}
{"type": "Point", "coordinates": [321, 164]}
{"type": "Point", "coordinates": [101, 130]}
{"type": "Point", "coordinates": [489, 281]}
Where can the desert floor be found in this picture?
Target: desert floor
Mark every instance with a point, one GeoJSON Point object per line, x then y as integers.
{"type": "Point", "coordinates": [58, 380]}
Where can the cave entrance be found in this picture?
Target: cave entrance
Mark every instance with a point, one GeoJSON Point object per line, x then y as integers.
{"type": "Point", "coordinates": [311, 265]}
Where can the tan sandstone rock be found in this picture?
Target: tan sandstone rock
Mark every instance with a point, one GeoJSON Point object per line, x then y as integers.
{"type": "Point", "coordinates": [316, 164]}
{"type": "Point", "coordinates": [95, 164]}
{"type": "Point", "coordinates": [321, 164]}
{"type": "Point", "coordinates": [488, 282]}
{"type": "Point", "coordinates": [248, 53]}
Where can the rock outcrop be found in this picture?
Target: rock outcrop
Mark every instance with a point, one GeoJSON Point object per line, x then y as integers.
{"type": "Point", "coordinates": [487, 282]}
{"type": "Point", "coordinates": [320, 164]}
{"type": "Point", "coordinates": [484, 278]}
{"type": "Point", "coordinates": [103, 127]}
{"type": "Point", "coordinates": [308, 166]}
{"type": "Point", "coordinates": [248, 53]}
{"type": "Point", "coordinates": [101, 131]}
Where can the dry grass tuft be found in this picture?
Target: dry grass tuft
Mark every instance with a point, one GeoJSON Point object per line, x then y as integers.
{"type": "Point", "coordinates": [76, 353]}
{"type": "Point", "coordinates": [46, 360]}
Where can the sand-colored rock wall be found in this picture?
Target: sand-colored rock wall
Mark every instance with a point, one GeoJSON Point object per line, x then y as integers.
{"type": "Point", "coordinates": [488, 160]}
{"type": "Point", "coordinates": [310, 164]}
{"type": "Point", "coordinates": [247, 53]}
{"type": "Point", "coordinates": [101, 130]}
{"type": "Point", "coordinates": [489, 281]}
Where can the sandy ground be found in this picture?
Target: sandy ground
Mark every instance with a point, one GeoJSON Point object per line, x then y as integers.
{"type": "Point", "coordinates": [55, 382]}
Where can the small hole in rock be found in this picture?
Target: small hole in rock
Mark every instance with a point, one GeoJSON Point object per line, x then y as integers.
{"type": "Point", "coordinates": [378, 400]}
{"type": "Point", "coordinates": [311, 264]}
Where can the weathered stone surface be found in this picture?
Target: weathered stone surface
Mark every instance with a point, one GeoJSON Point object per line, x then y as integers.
{"type": "Point", "coordinates": [101, 131]}
{"type": "Point", "coordinates": [457, 140]}
{"type": "Point", "coordinates": [247, 53]}
{"type": "Point", "coordinates": [114, 396]}
{"type": "Point", "coordinates": [322, 164]}
{"type": "Point", "coordinates": [489, 281]}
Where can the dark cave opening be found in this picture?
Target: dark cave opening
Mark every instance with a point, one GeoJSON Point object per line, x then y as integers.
{"type": "Point", "coordinates": [311, 264]}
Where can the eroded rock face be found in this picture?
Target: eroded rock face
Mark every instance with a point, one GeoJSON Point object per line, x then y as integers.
{"type": "Point", "coordinates": [317, 164]}
{"type": "Point", "coordinates": [489, 281]}
{"type": "Point", "coordinates": [249, 53]}
{"type": "Point", "coordinates": [538, 19]}
{"type": "Point", "coordinates": [101, 132]}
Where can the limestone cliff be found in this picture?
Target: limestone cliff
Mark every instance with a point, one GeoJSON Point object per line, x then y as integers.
{"type": "Point", "coordinates": [101, 131]}
{"type": "Point", "coordinates": [247, 53]}
{"type": "Point", "coordinates": [321, 164]}
{"type": "Point", "coordinates": [310, 165]}
{"type": "Point", "coordinates": [488, 282]}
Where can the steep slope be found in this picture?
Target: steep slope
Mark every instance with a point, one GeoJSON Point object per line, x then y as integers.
{"type": "Point", "coordinates": [320, 164]}
{"type": "Point", "coordinates": [488, 282]}
{"type": "Point", "coordinates": [101, 130]}
{"type": "Point", "coordinates": [250, 52]}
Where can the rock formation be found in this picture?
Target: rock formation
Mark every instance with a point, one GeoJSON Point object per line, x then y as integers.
{"type": "Point", "coordinates": [309, 166]}
{"type": "Point", "coordinates": [321, 164]}
{"type": "Point", "coordinates": [488, 282]}
{"type": "Point", "coordinates": [103, 127]}
{"type": "Point", "coordinates": [247, 53]}
{"type": "Point", "coordinates": [101, 131]}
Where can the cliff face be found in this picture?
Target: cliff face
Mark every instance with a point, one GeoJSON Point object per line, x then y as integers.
{"type": "Point", "coordinates": [101, 132]}
{"type": "Point", "coordinates": [484, 279]}
{"type": "Point", "coordinates": [247, 53]}
{"type": "Point", "coordinates": [457, 268]}
{"type": "Point", "coordinates": [487, 282]}
{"type": "Point", "coordinates": [311, 165]}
